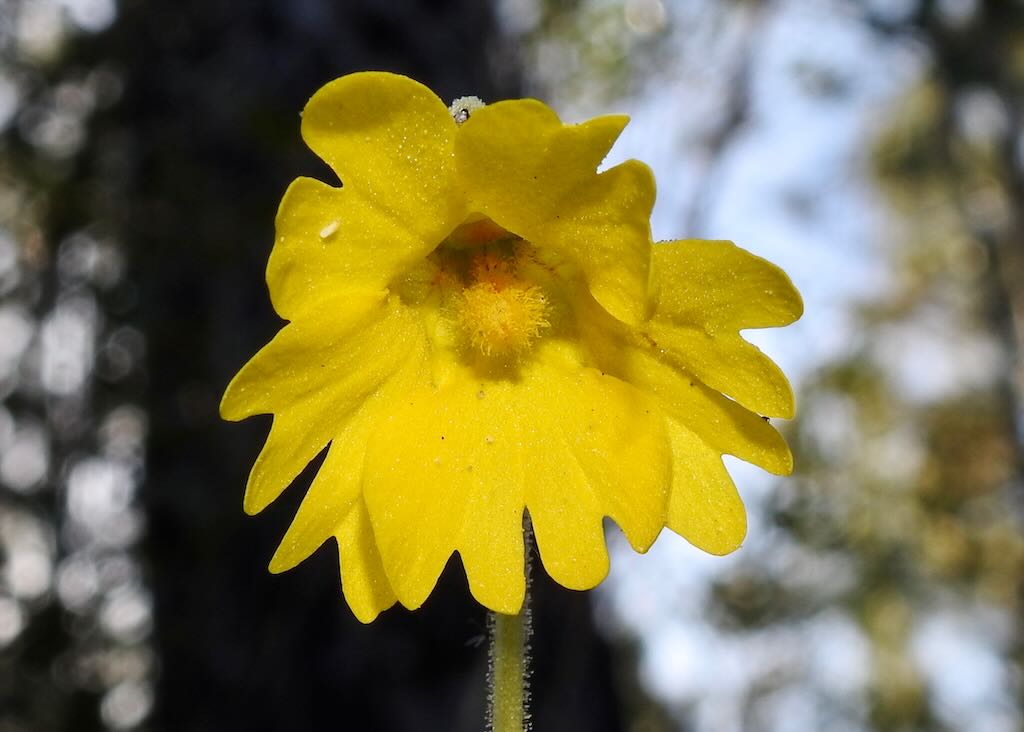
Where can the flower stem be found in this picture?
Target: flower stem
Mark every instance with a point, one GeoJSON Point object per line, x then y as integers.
{"type": "Point", "coordinates": [508, 672]}
{"type": "Point", "coordinates": [508, 677]}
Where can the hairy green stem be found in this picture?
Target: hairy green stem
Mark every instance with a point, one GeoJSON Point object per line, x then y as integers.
{"type": "Point", "coordinates": [508, 672]}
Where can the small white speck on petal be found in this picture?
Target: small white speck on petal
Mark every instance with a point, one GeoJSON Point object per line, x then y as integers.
{"type": "Point", "coordinates": [329, 229]}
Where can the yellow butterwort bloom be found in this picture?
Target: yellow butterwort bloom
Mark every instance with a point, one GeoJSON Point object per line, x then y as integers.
{"type": "Point", "coordinates": [478, 326]}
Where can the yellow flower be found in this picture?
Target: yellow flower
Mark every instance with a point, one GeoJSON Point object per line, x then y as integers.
{"type": "Point", "coordinates": [480, 326]}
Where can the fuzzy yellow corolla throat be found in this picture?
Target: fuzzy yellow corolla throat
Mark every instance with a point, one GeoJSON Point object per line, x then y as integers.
{"type": "Point", "coordinates": [479, 326]}
{"type": "Point", "coordinates": [484, 281]}
{"type": "Point", "coordinates": [499, 313]}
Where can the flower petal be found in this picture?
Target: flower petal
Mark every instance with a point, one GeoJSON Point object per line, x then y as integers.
{"type": "Point", "coordinates": [572, 449]}
{"type": "Point", "coordinates": [606, 227]}
{"type": "Point", "coordinates": [333, 507]}
{"type": "Point", "coordinates": [537, 177]}
{"type": "Point", "coordinates": [601, 450]}
{"type": "Point", "coordinates": [704, 507]}
{"type": "Point", "coordinates": [389, 139]}
{"type": "Point", "coordinates": [330, 498]}
{"type": "Point", "coordinates": [278, 375]}
{"type": "Point", "coordinates": [313, 375]}
{"type": "Point", "coordinates": [721, 423]}
{"type": "Point", "coordinates": [332, 240]}
{"type": "Point", "coordinates": [452, 482]}
{"type": "Point", "coordinates": [363, 580]}
{"type": "Point", "coordinates": [289, 448]}
{"type": "Point", "coordinates": [726, 362]}
{"type": "Point", "coordinates": [715, 285]}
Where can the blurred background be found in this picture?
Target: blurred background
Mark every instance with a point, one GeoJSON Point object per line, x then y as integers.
{"type": "Point", "coordinates": [873, 148]}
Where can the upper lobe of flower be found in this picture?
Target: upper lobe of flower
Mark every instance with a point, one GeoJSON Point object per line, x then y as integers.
{"type": "Point", "coordinates": [480, 327]}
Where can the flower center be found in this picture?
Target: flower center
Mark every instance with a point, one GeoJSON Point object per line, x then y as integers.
{"type": "Point", "coordinates": [499, 313]}
{"type": "Point", "coordinates": [486, 294]}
